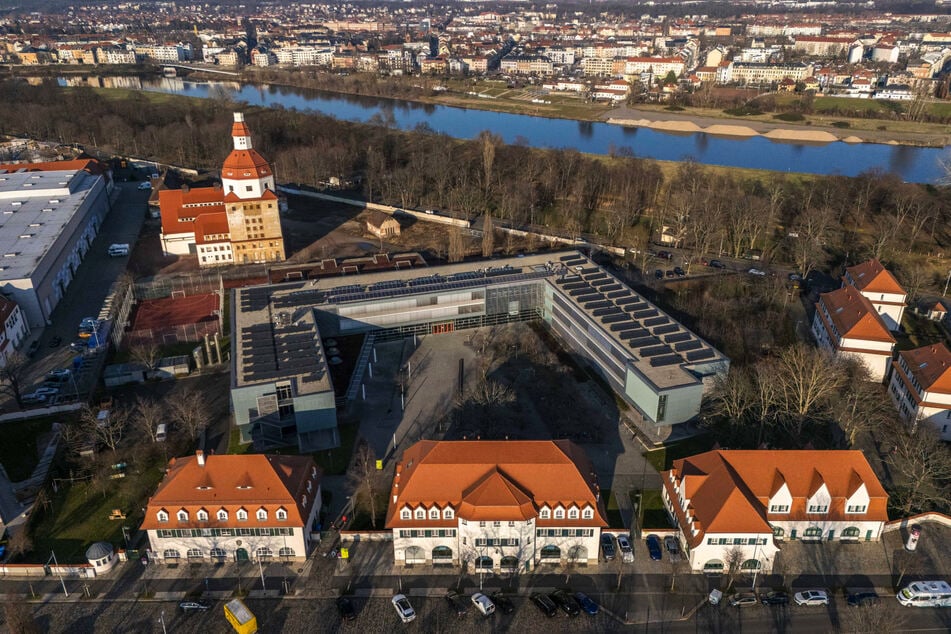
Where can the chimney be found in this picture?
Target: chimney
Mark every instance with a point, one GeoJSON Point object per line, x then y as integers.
{"type": "Point", "coordinates": [201, 457]}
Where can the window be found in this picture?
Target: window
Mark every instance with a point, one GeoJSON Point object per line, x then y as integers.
{"type": "Point", "coordinates": [779, 508]}
{"type": "Point", "coordinates": [405, 514]}
{"type": "Point", "coordinates": [222, 515]}
{"type": "Point", "coordinates": [286, 551]}
{"type": "Point", "coordinates": [818, 508]}
{"type": "Point", "coordinates": [545, 514]}
{"type": "Point", "coordinates": [559, 514]}
{"type": "Point", "coordinates": [511, 524]}
{"type": "Point", "coordinates": [284, 391]}
{"type": "Point", "coordinates": [242, 515]}
{"type": "Point", "coordinates": [496, 524]}
{"type": "Point", "coordinates": [481, 524]}
{"type": "Point", "coordinates": [434, 513]}
{"type": "Point", "coordinates": [420, 514]}
{"type": "Point", "coordinates": [281, 515]}
{"type": "Point", "coordinates": [573, 514]}
{"type": "Point", "coordinates": [856, 508]}
{"type": "Point", "coordinates": [447, 514]}
{"type": "Point", "coordinates": [661, 407]}
{"type": "Point", "coordinates": [182, 515]}
{"type": "Point", "coordinates": [218, 553]}
{"type": "Point", "coordinates": [587, 514]}
{"type": "Point", "coordinates": [170, 553]}
{"type": "Point", "coordinates": [162, 516]}
{"type": "Point", "coordinates": [262, 515]}
{"type": "Point", "coordinates": [249, 188]}
{"type": "Point", "coordinates": [264, 552]}
{"type": "Point", "coordinates": [202, 515]}
{"type": "Point", "coordinates": [194, 553]}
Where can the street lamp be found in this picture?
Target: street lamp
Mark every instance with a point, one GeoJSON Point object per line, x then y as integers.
{"type": "Point", "coordinates": [59, 572]}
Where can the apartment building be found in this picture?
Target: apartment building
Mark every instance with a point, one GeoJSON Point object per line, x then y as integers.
{"type": "Point", "coordinates": [765, 73]}
{"type": "Point", "coordinates": [881, 289]}
{"type": "Point", "coordinates": [920, 386]}
{"type": "Point", "coordinates": [846, 323]}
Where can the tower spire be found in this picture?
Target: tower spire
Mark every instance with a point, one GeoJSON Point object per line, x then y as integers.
{"type": "Point", "coordinates": [240, 133]}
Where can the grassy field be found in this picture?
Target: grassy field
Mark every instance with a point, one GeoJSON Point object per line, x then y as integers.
{"type": "Point", "coordinates": [653, 514]}
{"type": "Point", "coordinates": [18, 451]}
{"type": "Point", "coordinates": [614, 514]}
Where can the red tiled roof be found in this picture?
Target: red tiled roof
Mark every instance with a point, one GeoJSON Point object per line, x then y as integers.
{"type": "Point", "coordinates": [173, 204]}
{"type": "Point", "coordinates": [931, 367]}
{"type": "Point", "coordinates": [872, 277]}
{"type": "Point", "coordinates": [208, 224]}
{"type": "Point", "coordinates": [245, 164]}
{"type": "Point", "coordinates": [854, 316]}
{"type": "Point", "coordinates": [233, 482]}
{"type": "Point", "coordinates": [495, 480]}
{"type": "Point", "coordinates": [267, 194]}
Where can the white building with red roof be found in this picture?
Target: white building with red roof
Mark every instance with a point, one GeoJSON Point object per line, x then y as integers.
{"type": "Point", "coordinates": [221, 508]}
{"type": "Point", "coordinates": [13, 328]}
{"type": "Point", "coordinates": [740, 505]}
{"type": "Point", "coordinates": [235, 223]}
{"type": "Point", "coordinates": [920, 386]}
{"type": "Point", "coordinates": [502, 505]}
{"type": "Point", "coordinates": [880, 288]}
{"type": "Point", "coordinates": [846, 322]}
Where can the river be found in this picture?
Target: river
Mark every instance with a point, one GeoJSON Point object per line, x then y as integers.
{"type": "Point", "coordinates": [915, 164]}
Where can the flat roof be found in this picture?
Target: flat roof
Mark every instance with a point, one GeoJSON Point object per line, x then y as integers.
{"type": "Point", "coordinates": [35, 207]}
{"type": "Point", "coordinates": [654, 344]}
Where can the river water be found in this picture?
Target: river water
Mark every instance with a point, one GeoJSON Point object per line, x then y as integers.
{"type": "Point", "coordinates": [916, 164]}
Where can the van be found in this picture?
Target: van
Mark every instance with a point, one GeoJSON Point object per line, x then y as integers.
{"type": "Point", "coordinates": [160, 432]}
{"type": "Point", "coordinates": [116, 250]}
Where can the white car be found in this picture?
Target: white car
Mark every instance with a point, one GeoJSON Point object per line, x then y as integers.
{"type": "Point", "coordinates": [403, 608]}
{"type": "Point", "coordinates": [812, 597]}
{"type": "Point", "coordinates": [624, 545]}
{"type": "Point", "coordinates": [758, 272]}
{"type": "Point", "coordinates": [483, 604]}
{"type": "Point", "coordinates": [145, 185]}
{"type": "Point", "coordinates": [46, 391]}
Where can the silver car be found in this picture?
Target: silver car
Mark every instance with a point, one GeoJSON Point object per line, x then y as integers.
{"type": "Point", "coordinates": [811, 597]}
{"type": "Point", "coordinates": [624, 545]}
{"type": "Point", "coordinates": [403, 608]}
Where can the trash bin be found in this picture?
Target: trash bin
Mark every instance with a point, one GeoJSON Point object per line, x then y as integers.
{"type": "Point", "coordinates": [715, 597]}
{"type": "Point", "coordinates": [913, 534]}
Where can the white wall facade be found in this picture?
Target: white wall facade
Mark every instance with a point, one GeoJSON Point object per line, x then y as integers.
{"type": "Point", "coordinates": [178, 243]}
{"type": "Point", "coordinates": [716, 549]}
{"type": "Point", "coordinates": [249, 187]}
{"type": "Point", "coordinates": [937, 413]}
{"type": "Point", "coordinates": [875, 355]}
{"type": "Point", "coordinates": [891, 306]}
{"type": "Point", "coordinates": [215, 254]}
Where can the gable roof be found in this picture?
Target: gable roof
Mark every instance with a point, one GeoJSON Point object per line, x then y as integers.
{"type": "Point", "coordinates": [931, 367]}
{"type": "Point", "coordinates": [245, 164]}
{"type": "Point", "coordinates": [231, 482]}
{"type": "Point", "coordinates": [495, 480]}
{"type": "Point", "coordinates": [174, 206]}
{"type": "Point", "coordinates": [854, 316]}
{"type": "Point", "coordinates": [211, 224]}
{"type": "Point", "coordinates": [730, 490]}
{"type": "Point", "coordinates": [872, 277]}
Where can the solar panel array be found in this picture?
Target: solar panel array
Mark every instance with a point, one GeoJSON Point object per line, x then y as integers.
{"type": "Point", "coordinates": [648, 333]}
{"type": "Point", "coordinates": [272, 351]}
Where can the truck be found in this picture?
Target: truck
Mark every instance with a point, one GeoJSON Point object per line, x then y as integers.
{"type": "Point", "coordinates": [241, 618]}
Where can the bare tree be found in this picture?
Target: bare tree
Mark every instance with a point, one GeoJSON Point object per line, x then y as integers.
{"type": "Point", "coordinates": [732, 561]}
{"type": "Point", "coordinates": [367, 482]}
{"type": "Point", "coordinates": [190, 410]}
{"type": "Point", "coordinates": [571, 560]}
{"type": "Point", "coordinates": [106, 426]}
{"type": "Point", "coordinates": [457, 245]}
{"type": "Point", "coordinates": [147, 414]}
{"type": "Point", "coordinates": [13, 376]}
{"type": "Point", "coordinates": [20, 543]}
{"type": "Point", "coordinates": [488, 236]}
{"type": "Point", "coordinates": [884, 617]}
{"type": "Point", "coordinates": [807, 378]}
{"type": "Point", "coordinates": [146, 353]}
{"type": "Point", "coordinates": [922, 464]}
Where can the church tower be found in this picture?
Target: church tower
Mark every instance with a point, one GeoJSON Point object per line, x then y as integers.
{"type": "Point", "coordinates": [250, 201]}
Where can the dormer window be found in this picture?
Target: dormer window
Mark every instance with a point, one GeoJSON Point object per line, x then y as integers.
{"type": "Point", "coordinates": [818, 508]}
{"type": "Point", "coordinates": [303, 500]}
{"type": "Point", "coordinates": [573, 514]}
{"type": "Point", "coordinates": [779, 508]}
{"type": "Point", "coordinates": [242, 515]}
{"type": "Point", "coordinates": [222, 515]}
{"type": "Point", "coordinates": [858, 508]}
{"type": "Point", "coordinates": [406, 514]}
{"type": "Point", "coordinates": [587, 514]}
{"type": "Point", "coordinates": [262, 515]}
{"type": "Point", "coordinates": [545, 514]}
{"type": "Point", "coordinates": [559, 514]}
{"type": "Point", "coordinates": [281, 515]}
{"type": "Point", "coordinates": [447, 514]}
{"type": "Point", "coordinates": [182, 515]}
{"type": "Point", "coordinates": [202, 515]}
{"type": "Point", "coordinates": [309, 486]}
{"type": "Point", "coordinates": [162, 516]}
{"type": "Point", "coordinates": [420, 514]}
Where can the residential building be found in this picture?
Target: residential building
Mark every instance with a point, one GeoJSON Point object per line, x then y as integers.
{"type": "Point", "coordinates": [504, 506]}
{"type": "Point", "coordinates": [742, 504]}
{"type": "Point", "coordinates": [880, 288]}
{"type": "Point", "coordinates": [817, 45]}
{"type": "Point", "coordinates": [920, 386]}
{"type": "Point", "coordinates": [660, 66]}
{"type": "Point", "coordinates": [655, 364]}
{"type": "Point", "coordinates": [846, 323]}
{"type": "Point", "coordinates": [224, 508]}
{"type": "Point", "coordinates": [765, 73]}
{"type": "Point", "coordinates": [51, 213]}
{"type": "Point", "coordinates": [14, 328]}
{"type": "Point", "coordinates": [236, 222]}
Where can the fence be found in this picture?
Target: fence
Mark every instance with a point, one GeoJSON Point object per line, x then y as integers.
{"type": "Point", "coordinates": [176, 334]}
{"type": "Point", "coordinates": [905, 522]}
{"type": "Point", "coordinates": [40, 570]}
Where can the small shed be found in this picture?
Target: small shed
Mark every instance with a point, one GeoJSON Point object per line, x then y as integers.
{"type": "Point", "coordinates": [382, 225]}
{"type": "Point", "coordinates": [171, 367]}
{"type": "Point", "coordinates": [102, 557]}
{"type": "Point", "coordinates": [124, 373]}
{"type": "Point", "coordinates": [936, 311]}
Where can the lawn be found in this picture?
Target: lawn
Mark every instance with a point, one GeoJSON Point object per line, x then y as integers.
{"type": "Point", "coordinates": [18, 451]}
{"type": "Point", "coordinates": [614, 514]}
{"type": "Point", "coordinates": [79, 515]}
{"type": "Point", "coordinates": [918, 332]}
{"type": "Point", "coordinates": [653, 514]}
{"type": "Point", "coordinates": [662, 459]}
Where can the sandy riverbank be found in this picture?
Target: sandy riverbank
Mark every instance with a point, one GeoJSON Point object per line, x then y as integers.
{"type": "Point", "coordinates": [686, 123]}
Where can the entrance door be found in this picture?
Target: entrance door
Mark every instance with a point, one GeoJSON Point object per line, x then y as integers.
{"type": "Point", "coordinates": [241, 555]}
{"type": "Point", "coordinates": [438, 329]}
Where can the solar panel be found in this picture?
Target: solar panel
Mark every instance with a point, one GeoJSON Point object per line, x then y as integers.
{"type": "Point", "coordinates": [603, 312]}
{"type": "Point", "coordinates": [675, 337]}
{"type": "Point", "coordinates": [699, 355]}
{"type": "Point", "coordinates": [656, 321]}
{"type": "Point", "coordinates": [640, 342]}
{"type": "Point", "coordinates": [613, 318]}
{"type": "Point", "coordinates": [655, 351]}
{"type": "Point", "coordinates": [644, 313]}
{"type": "Point", "coordinates": [693, 344]}
{"type": "Point", "coordinates": [665, 360]}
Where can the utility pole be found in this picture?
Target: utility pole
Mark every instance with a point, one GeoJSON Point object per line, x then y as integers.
{"type": "Point", "coordinates": [59, 573]}
{"type": "Point", "coordinates": [946, 284]}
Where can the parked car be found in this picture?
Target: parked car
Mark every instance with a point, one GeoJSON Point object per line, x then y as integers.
{"type": "Point", "coordinates": [717, 264]}
{"type": "Point", "coordinates": [79, 345]}
{"type": "Point", "coordinates": [775, 598]}
{"type": "Point", "coordinates": [145, 185]}
{"type": "Point", "coordinates": [607, 546]}
{"type": "Point", "coordinates": [673, 547]}
{"type": "Point", "coordinates": [55, 341]}
{"type": "Point", "coordinates": [565, 602]}
{"type": "Point", "coordinates": [483, 604]}
{"type": "Point", "coordinates": [345, 609]}
{"type": "Point", "coordinates": [456, 603]}
{"type": "Point", "coordinates": [46, 391]}
{"type": "Point", "coordinates": [188, 606]}
{"type": "Point", "coordinates": [545, 605]}
{"type": "Point", "coordinates": [669, 273]}
{"type": "Point", "coordinates": [33, 398]}
{"type": "Point", "coordinates": [34, 345]}
{"type": "Point", "coordinates": [665, 255]}
{"type": "Point", "coordinates": [402, 606]}
{"type": "Point", "coordinates": [653, 547]}
{"type": "Point", "coordinates": [624, 545]}
{"type": "Point", "coordinates": [586, 603]}
{"type": "Point", "coordinates": [743, 600]}
{"type": "Point", "coordinates": [811, 597]}
{"type": "Point", "coordinates": [757, 272]}
{"type": "Point", "coordinates": [58, 376]}
{"type": "Point", "coordinates": [861, 598]}
{"type": "Point", "coordinates": [658, 274]}
{"type": "Point", "coordinates": [502, 603]}
{"type": "Point", "coordinates": [679, 272]}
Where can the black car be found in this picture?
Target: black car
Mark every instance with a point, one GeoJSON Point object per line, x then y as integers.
{"type": "Point", "coordinates": [669, 273]}
{"type": "Point", "coordinates": [55, 341]}
{"type": "Point", "coordinates": [653, 547]}
{"type": "Point", "coordinates": [672, 546]}
{"type": "Point", "coordinates": [863, 598]}
{"type": "Point", "coordinates": [545, 605]}
{"type": "Point", "coordinates": [717, 264]}
{"type": "Point", "coordinates": [457, 603]}
{"type": "Point", "coordinates": [665, 255]}
{"type": "Point", "coordinates": [775, 598]}
{"type": "Point", "coordinates": [659, 274]}
{"type": "Point", "coordinates": [587, 603]}
{"type": "Point", "coordinates": [607, 546]}
{"type": "Point", "coordinates": [679, 272]}
{"type": "Point", "coordinates": [502, 603]}
{"type": "Point", "coordinates": [565, 602]}
{"type": "Point", "coordinates": [345, 609]}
